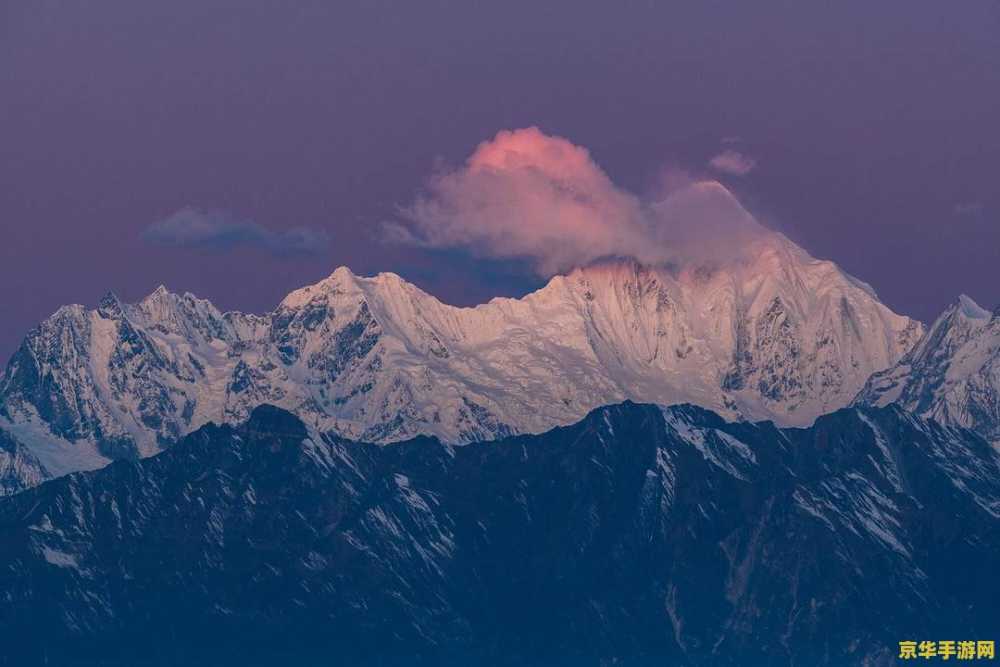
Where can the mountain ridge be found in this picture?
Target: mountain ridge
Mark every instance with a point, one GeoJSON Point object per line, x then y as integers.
{"type": "Point", "coordinates": [639, 535]}
{"type": "Point", "coordinates": [776, 335]}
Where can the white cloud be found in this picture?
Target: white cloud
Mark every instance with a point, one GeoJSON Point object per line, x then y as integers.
{"type": "Point", "coordinates": [733, 162]}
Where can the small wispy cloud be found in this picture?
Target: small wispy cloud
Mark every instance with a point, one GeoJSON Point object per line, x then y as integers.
{"type": "Point", "coordinates": [969, 208]}
{"type": "Point", "coordinates": [217, 230]}
{"type": "Point", "coordinates": [733, 162]}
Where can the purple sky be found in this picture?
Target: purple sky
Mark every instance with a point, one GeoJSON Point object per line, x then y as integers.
{"type": "Point", "coordinates": [874, 127]}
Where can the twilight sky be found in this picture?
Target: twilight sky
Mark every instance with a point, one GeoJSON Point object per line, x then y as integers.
{"type": "Point", "coordinates": [239, 150]}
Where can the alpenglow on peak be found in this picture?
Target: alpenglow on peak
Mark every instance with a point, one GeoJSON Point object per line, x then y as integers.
{"type": "Point", "coordinates": [776, 335]}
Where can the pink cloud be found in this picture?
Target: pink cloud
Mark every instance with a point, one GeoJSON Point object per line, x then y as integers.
{"type": "Point", "coordinates": [528, 195]}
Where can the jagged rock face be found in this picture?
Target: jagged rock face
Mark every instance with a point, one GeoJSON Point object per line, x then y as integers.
{"type": "Point", "coordinates": [952, 374]}
{"type": "Point", "coordinates": [19, 468]}
{"type": "Point", "coordinates": [640, 535]}
{"type": "Point", "coordinates": [116, 377]}
{"type": "Point", "coordinates": [775, 335]}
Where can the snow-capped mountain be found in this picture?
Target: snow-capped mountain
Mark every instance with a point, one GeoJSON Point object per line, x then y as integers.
{"type": "Point", "coordinates": [638, 536]}
{"type": "Point", "coordinates": [953, 373]}
{"type": "Point", "coordinates": [774, 334]}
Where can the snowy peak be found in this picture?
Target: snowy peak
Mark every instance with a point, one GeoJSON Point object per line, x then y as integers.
{"type": "Point", "coordinates": [959, 323]}
{"type": "Point", "coordinates": [774, 335]}
{"type": "Point", "coordinates": [338, 282]}
{"type": "Point", "coordinates": [159, 293]}
{"type": "Point", "coordinates": [777, 335]}
{"type": "Point", "coordinates": [952, 374]}
{"type": "Point", "coordinates": [971, 309]}
{"type": "Point", "coordinates": [181, 315]}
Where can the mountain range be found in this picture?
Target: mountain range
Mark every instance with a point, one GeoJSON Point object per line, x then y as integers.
{"type": "Point", "coordinates": [741, 460]}
{"type": "Point", "coordinates": [640, 535]}
{"type": "Point", "coordinates": [772, 335]}
{"type": "Point", "coordinates": [768, 334]}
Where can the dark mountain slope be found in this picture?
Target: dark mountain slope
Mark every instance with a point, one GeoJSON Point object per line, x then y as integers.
{"type": "Point", "coordinates": [638, 536]}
